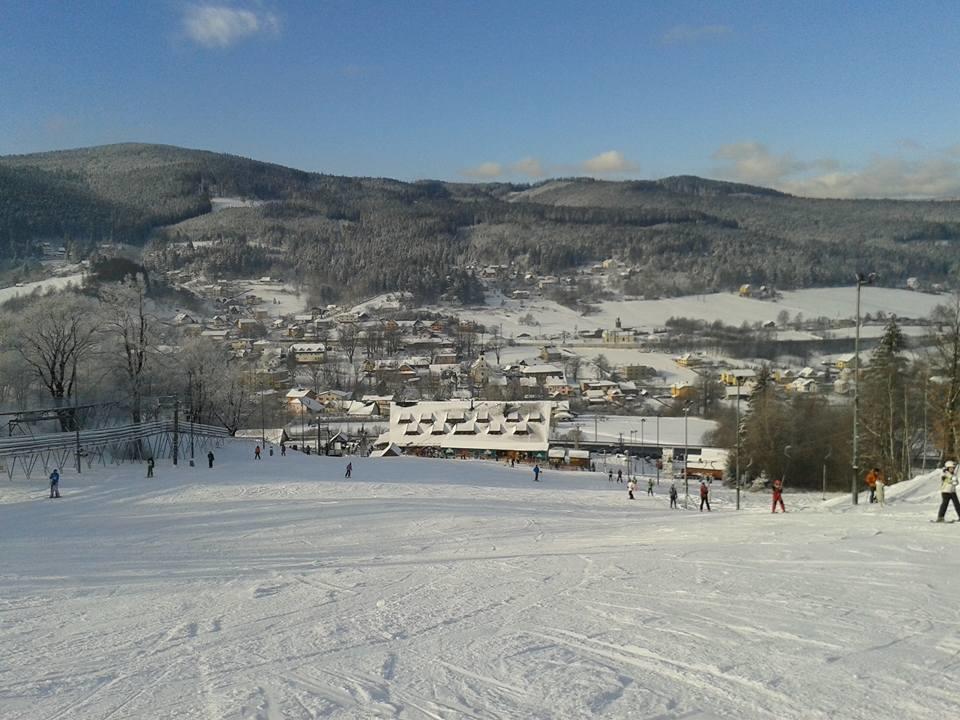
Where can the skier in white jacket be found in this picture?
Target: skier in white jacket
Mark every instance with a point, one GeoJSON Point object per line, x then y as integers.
{"type": "Point", "coordinates": [948, 490]}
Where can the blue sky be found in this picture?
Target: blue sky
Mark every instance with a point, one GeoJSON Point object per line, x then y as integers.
{"type": "Point", "coordinates": [821, 98]}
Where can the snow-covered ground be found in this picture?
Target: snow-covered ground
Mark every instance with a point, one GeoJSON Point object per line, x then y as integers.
{"type": "Point", "coordinates": [226, 203]}
{"type": "Point", "coordinates": [834, 303]}
{"type": "Point", "coordinates": [279, 298]}
{"type": "Point", "coordinates": [58, 283]}
{"type": "Point", "coordinates": [456, 589]}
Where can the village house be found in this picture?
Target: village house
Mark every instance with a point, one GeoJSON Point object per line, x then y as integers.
{"type": "Point", "coordinates": [737, 377]}
{"type": "Point", "coordinates": [333, 400]}
{"type": "Point", "coordinates": [295, 395]}
{"type": "Point", "coordinates": [682, 390]}
{"type": "Point", "coordinates": [183, 318]}
{"type": "Point", "coordinates": [802, 385]}
{"type": "Point", "coordinates": [843, 362]}
{"type": "Point", "coordinates": [550, 354]}
{"type": "Point", "coordinates": [445, 356]}
{"type": "Point", "coordinates": [689, 360]}
{"type": "Point", "coordinates": [382, 402]}
{"type": "Point", "coordinates": [541, 372]}
{"type": "Point", "coordinates": [308, 353]}
{"type": "Point", "coordinates": [250, 327]}
{"type": "Point", "coordinates": [619, 336]}
{"type": "Point", "coordinates": [557, 387]}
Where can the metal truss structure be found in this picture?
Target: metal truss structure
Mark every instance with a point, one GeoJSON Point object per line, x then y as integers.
{"type": "Point", "coordinates": [26, 454]}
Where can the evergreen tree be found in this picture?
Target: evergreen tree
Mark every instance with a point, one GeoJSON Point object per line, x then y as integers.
{"type": "Point", "coordinates": [883, 420]}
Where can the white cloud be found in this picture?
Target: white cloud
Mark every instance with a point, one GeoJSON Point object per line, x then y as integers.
{"type": "Point", "coordinates": [752, 162]}
{"type": "Point", "coordinates": [934, 176]}
{"type": "Point", "coordinates": [529, 166]}
{"type": "Point", "coordinates": [693, 33]}
{"type": "Point", "coordinates": [219, 26]}
{"type": "Point", "coordinates": [485, 170]}
{"type": "Point", "coordinates": [909, 173]}
{"type": "Point", "coordinates": [608, 163]}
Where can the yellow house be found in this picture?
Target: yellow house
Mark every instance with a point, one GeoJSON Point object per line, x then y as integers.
{"type": "Point", "coordinates": [732, 378]}
{"type": "Point", "coordinates": [682, 391]}
{"type": "Point", "coordinates": [846, 361]}
{"type": "Point", "coordinates": [688, 360]}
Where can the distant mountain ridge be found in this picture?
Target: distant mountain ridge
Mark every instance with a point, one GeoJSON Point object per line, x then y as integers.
{"type": "Point", "coordinates": [353, 236]}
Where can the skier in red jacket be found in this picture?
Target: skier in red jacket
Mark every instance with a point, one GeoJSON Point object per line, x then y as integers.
{"type": "Point", "coordinates": [778, 495]}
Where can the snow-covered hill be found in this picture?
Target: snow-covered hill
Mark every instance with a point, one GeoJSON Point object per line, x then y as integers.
{"type": "Point", "coordinates": [455, 589]}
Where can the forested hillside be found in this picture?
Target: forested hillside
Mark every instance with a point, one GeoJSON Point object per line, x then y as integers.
{"type": "Point", "coordinates": [349, 237]}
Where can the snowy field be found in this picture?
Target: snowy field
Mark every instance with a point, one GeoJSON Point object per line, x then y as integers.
{"type": "Point", "coordinates": [449, 589]}
{"type": "Point", "coordinates": [834, 303]}
{"type": "Point", "coordinates": [58, 283]}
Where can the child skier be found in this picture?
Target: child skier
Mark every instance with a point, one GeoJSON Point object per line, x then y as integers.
{"type": "Point", "coordinates": [55, 484]}
{"type": "Point", "coordinates": [650, 487]}
{"type": "Point", "coordinates": [536, 473]}
{"type": "Point", "coordinates": [150, 467]}
{"type": "Point", "coordinates": [349, 470]}
{"type": "Point", "coordinates": [778, 495]}
{"type": "Point", "coordinates": [631, 486]}
{"type": "Point", "coordinates": [673, 496]}
{"type": "Point", "coordinates": [704, 495]}
{"type": "Point", "coordinates": [256, 453]}
{"type": "Point", "coordinates": [210, 459]}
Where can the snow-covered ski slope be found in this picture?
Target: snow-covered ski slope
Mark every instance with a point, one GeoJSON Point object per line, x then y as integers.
{"type": "Point", "coordinates": [453, 589]}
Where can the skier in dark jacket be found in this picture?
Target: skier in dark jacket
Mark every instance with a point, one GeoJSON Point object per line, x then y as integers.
{"type": "Point", "coordinates": [256, 453]}
{"type": "Point", "coordinates": [150, 465]}
{"type": "Point", "coordinates": [349, 470]}
{"type": "Point", "coordinates": [210, 458]}
{"type": "Point", "coordinates": [55, 483]}
{"type": "Point", "coordinates": [673, 496]}
{"type": "Point", "coordinates": [536, 473]}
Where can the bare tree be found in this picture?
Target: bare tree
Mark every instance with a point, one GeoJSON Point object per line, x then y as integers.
{"type": "Point", "coordinates": [234, 404]}
{"type": "Point", "coordinates": [53, 336]}
{"type": "Point", "coordinates": [126, 321]}
{"type": "Point", "coordinates": [945, 361]}
{"type": "Point", "coordinates": [348, 337]}
{"type": "Point", "coordinates": [203, 362]}
{"type": "Point", "coordinates": [16, 380]}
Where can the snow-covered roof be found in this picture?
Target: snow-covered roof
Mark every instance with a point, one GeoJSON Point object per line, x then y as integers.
{"type": "Point", "coordinates": [299, 392]}
{"type": "Point", "coordinates": [308, 348]}
{"type": "Point", "coordinates": [480, 425]}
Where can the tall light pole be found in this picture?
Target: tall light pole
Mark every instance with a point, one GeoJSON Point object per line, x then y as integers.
{"type": "Point", "coordinates": [686, 452]}
{"type": "Point", "coordinates": [643, 457]}
{"type": "Point", "coordinates": [855, 479]}
{"type": "Point", "coordinates": [263, 429]}
{"type": "Point", "coordinates": [923, 459]}
{"type": "Point", "coordinates": [739, 387]}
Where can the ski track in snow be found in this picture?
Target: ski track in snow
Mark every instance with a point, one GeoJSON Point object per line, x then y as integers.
{"type": "Point", "coordinates": [427, 589]}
